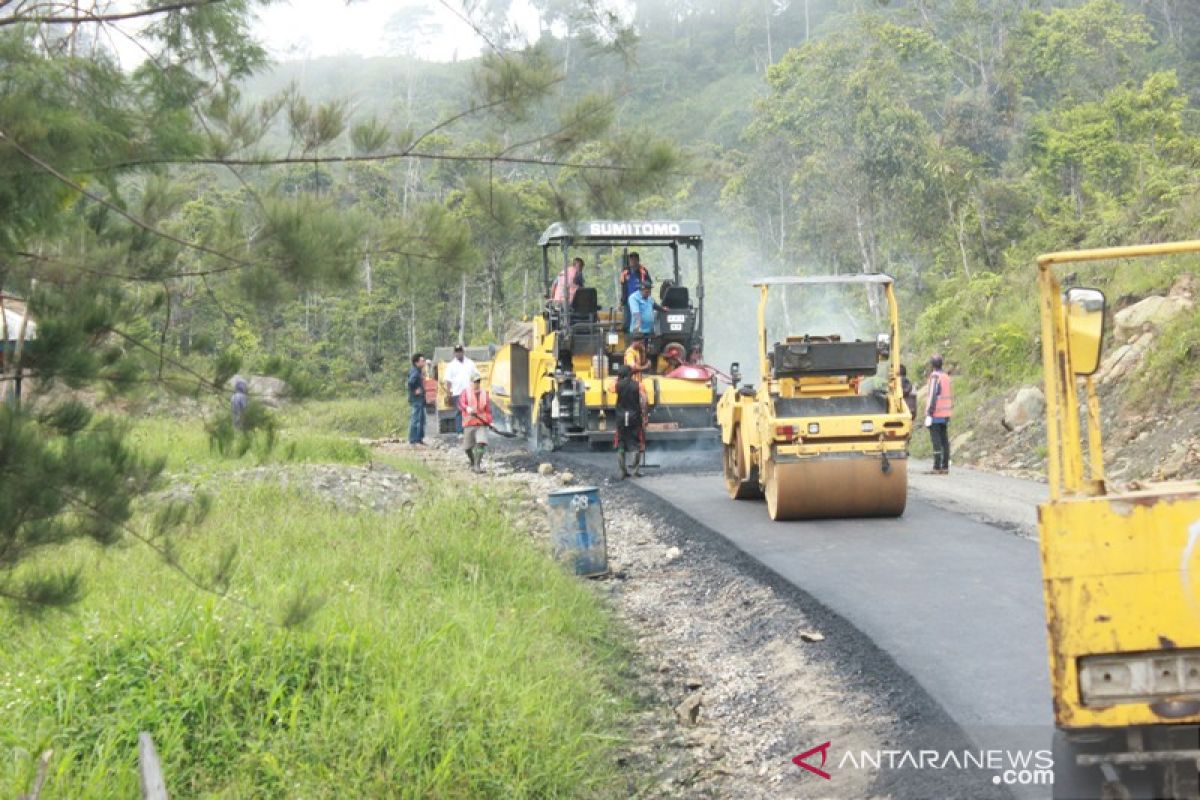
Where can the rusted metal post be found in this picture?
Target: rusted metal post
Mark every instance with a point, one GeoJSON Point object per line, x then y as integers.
{"type": "Point", "coordinates": [150, 769]}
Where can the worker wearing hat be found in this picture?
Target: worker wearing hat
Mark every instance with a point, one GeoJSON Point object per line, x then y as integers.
{"type": "Point", "coordinates": [641, 310]}
{"type": "Point", "coordinates": [630, 433]}
{"type": "Point", "coordinates": [937, 415]}
{"type": "Point", "coordinates": [476, 408]}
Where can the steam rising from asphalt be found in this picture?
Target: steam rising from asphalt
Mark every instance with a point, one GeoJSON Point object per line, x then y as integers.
{"type": "Point", "coordinates": [731, 303]}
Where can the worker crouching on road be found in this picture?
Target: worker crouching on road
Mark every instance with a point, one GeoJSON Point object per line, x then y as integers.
{"type": "Point", "coordinates": [631, 410]}
{"type": "Point", "coordinates": [937, 415]}
{"type": "Point", "coordinates": [476, 409]}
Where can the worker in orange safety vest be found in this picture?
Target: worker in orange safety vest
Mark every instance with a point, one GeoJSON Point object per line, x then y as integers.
{"type": "Point", "coordinates": [476, 408]}
{"type": "Point", "coordinates": [937, 415]}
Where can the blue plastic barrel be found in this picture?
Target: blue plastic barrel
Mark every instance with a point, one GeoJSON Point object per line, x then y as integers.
{"type": "Point", "coordinates": [577, 530]}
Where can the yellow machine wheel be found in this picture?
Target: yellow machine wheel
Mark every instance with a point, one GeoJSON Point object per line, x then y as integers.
{"type": "Point", "coordinates": [835, 487]}
{"type": "Point", "coordinates": [739, 481]}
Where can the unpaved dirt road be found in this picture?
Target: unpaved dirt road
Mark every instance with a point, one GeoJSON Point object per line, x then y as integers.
{"type": "Point", "coordinates": [947, 598]}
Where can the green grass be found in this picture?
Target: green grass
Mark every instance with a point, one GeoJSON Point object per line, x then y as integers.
{"type": "Point", "coordinates": [186, 446]}
{"type": "Point", "coordinates": [450, 659]}
{"type": "Point", "coordinates": [371, 418]}
{"type": "Point", "coordinates": [447, 656]}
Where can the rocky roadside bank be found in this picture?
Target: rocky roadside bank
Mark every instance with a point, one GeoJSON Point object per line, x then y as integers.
{"type": "Point", "coordinates": [734, 680]}
{"type": "Point", "coordinates": [1145, 437]}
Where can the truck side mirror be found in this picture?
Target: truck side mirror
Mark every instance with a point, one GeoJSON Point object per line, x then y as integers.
{"type": "Point", "coordinates": [735, 373]}
{"type": "Point", "coordinates": [1085, 328]}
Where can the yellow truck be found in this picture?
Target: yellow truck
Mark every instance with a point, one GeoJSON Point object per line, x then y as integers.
{"type": "Point", "coordinates": [555, 383]}
{"type": "Point", "coordinates": [1121, 576]}
{"type": "Point", "coordinates": [813, 438]}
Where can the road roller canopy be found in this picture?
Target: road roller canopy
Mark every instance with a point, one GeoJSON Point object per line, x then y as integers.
{"type": "Point", "coordinates": [793, 280]}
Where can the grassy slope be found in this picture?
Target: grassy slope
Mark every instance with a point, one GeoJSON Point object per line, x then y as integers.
{"type": "Point", "coordinates": [450, 657]}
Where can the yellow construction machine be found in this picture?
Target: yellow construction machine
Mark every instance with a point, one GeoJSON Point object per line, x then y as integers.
{"type": "Point", "coordinates": [554, 380]}
{"type": "Point", "coordinates": [824, 434]}
{"type": "Point", "coordinates": [1121, 575]}
{"type": "Point", "coordinates": [443, 407]}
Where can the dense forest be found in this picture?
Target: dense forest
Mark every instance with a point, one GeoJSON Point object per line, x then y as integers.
{"type": "Point", "coordinates": [206, 211]}
{"type": "Point", "coordinates": [385, 205]}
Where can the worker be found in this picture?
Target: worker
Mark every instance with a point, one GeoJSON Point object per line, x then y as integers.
{"type": "Point", "coordinates": [910, 394]}
{"type": "Point", "coordinates": [937, 415]}
{"type": "Point", "coordinates": [632, 277]}
{"type": "Point", "coordinates": [476, 409]}
{"type": "Point", "coordinates": [457, 380]}
{"type": "Point", "coordinates": [238, 403]}
{"type": "Point", "coordinates": [416, 400]}
{"type": "Point", "coordinates": [568, 281]}
{"type": "Point", "coordinates": [635, 358]}
{"type": "Point", "coordinates": [641, 310]}
{"type": "Point", "coordinates": [630, 433]}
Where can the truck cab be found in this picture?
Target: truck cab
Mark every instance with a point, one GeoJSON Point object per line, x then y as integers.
{"type": "Point", "coordinates": [1120, 575]}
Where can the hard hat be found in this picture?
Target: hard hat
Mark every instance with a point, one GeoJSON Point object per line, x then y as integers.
{"type": "Point", "coordinates": [475, 377]}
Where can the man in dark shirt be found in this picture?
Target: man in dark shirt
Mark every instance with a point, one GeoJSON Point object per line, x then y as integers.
{"type": "Point", "coordinates": [630, 410]}
{"type": "Point", "coordinates": [416, 400]}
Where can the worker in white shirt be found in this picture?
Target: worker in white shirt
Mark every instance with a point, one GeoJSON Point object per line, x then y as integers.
{"type": "Point", "coordinates": [457, 380]}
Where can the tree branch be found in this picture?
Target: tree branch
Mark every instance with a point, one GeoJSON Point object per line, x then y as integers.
{"type": "Point", "coordinates": [30, 157]}
{"type": "Point", "coordinates": [42, 19]}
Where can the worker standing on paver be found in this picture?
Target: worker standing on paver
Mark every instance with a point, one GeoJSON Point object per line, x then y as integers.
{"type": "Point", "coordinates": [937, 415]}
{"type": "Point", "coordinates": [568, 281]}
{"type": "Point", "coordinates": [476, 408]}
{"type": "Point", "coordinates": [632, 277]}
{"type": "Point", "coordinates": [416, 400]}
{"type": "Point", "coordinates": [641, 310]}
{"type": "Point", "coordinates": [630, 433]}
{"type": "Point", "coordinates": [457, 380]}
{"type": "Point", "coordinates": [635, 358]}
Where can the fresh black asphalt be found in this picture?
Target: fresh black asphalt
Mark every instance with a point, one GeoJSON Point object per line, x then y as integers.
{"type": "Point", "coordinates": [941, 616]}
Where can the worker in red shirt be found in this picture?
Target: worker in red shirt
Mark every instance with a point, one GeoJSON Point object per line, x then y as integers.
{"type": "Point", "coordinates": [476, 408]}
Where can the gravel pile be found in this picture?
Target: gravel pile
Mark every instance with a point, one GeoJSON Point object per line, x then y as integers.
{"type": "Point", "coordinates": [345, 487]}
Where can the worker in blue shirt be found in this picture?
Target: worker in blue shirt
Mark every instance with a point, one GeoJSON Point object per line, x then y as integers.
{"type": "Point", "coordinates": [416, 400]}
{"type": "Point", "coordinates": [641, 309]}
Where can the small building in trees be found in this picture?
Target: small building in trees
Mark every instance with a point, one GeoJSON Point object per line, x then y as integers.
{"type": "Point", "coordinates": [16, 329]}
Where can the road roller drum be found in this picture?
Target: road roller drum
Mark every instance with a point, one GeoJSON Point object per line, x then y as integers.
{"type": "Point", "coordinates": [823, 487]}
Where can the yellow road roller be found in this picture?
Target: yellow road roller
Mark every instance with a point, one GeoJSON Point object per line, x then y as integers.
{"type": "Point", "coordinates": [825, 433]}
{"type": "Point", "coordinates": [1120, 573]}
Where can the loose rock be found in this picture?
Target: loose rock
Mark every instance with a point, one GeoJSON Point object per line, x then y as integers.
{"type": "Point", "coordinates": [689, 710]}
{"type": "Point", "coordinates": [1026, 407]}
{"type": "Point", "coordinates": [1153, 312]}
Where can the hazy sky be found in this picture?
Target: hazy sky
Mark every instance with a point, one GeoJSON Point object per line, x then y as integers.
{"type": "Point", "coordinates": [295, 29]}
